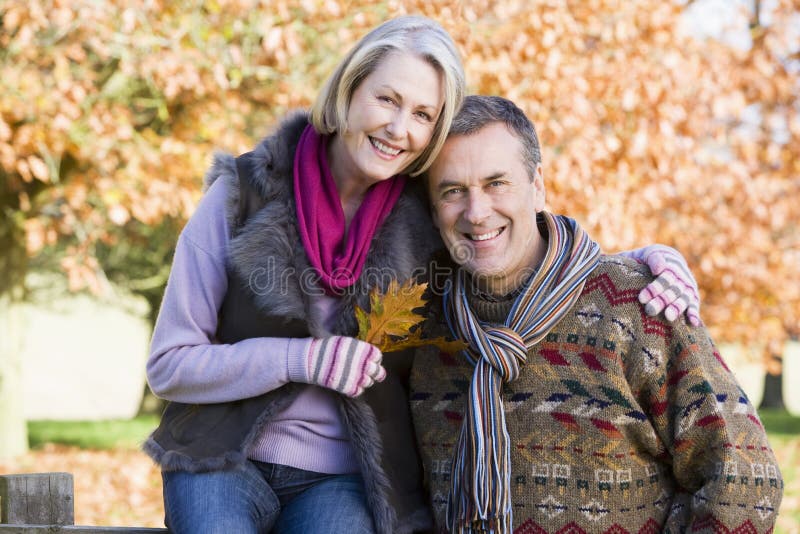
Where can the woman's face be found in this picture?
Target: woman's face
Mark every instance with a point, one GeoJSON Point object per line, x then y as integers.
{"type": "Point", "coordinates": [390, 121]}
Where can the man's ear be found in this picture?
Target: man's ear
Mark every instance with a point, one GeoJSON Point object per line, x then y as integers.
{"type": "Point", "coordinates": [540, 195]}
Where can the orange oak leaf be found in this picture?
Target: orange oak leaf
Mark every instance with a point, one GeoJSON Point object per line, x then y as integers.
{"type": "Point", "coordinates": [392, 316]}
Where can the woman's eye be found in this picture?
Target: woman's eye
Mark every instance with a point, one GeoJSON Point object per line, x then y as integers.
{"type": "Point", "coordinates": [424, 116]}
{"type": "Point", "coordinates": [386, 99]}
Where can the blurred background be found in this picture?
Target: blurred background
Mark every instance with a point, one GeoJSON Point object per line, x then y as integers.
{"type": "Point", "coordinates": [661, 121]}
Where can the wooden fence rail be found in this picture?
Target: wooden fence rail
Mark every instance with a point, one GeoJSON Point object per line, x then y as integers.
{"type": "Point", "coordinates": [44, 502]}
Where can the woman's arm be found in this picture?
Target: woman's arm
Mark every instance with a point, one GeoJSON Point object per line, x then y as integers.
{"type": "Point", "coordinates": [186, 364]}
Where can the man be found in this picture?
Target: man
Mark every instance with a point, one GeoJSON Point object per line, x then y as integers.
{"type": "Point", "coordinates": [573, 411]}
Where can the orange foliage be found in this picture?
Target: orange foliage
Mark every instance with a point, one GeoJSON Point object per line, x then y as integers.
{"type": "Point", "coordinates": [109, 111]}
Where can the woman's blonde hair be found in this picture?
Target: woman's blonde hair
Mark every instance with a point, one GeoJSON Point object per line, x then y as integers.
{"type": "Point", "coordinates": [417, 35]}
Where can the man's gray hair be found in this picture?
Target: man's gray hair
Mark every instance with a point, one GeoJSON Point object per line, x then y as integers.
{"type": "Point", "coordinates": [479, 111]}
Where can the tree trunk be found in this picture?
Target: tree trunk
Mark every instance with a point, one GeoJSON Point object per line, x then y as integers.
{"type": "Point", "coordinates": [13, 430]}
{"type": "Point", "coordinates": [773, 365]}
{"type": "Point", "coordinates": [151, 405]}
{"type": "Point", "coordinates": [773, 390]}
{"type": "Point", "coordinates": [13, 266]}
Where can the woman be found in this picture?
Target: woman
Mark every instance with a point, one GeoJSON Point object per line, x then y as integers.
{"type": "Point", "coordinates": [264, 430]}
{"type": "Point", "coordinates": [267, 429]}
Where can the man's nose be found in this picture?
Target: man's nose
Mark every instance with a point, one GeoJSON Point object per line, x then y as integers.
{"type": "Point", "coordinates": [479, 206]}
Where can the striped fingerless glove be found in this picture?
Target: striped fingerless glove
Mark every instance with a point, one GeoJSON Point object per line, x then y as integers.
{"type": "Point", "coordinates": [674, 291]}
{"type": "Point", "coordinates": [344, 364]}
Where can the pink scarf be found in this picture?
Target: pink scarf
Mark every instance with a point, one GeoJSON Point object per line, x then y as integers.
{"type": "Point", "coordinates": [320, 218]}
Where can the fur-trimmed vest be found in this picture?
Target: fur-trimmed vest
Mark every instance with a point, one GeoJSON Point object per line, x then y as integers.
{"type": "Point", "coordinates": [269, 294]}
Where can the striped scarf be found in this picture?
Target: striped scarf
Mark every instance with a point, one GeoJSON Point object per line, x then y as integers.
{"type": "Point", "coordinates": [480, 495]}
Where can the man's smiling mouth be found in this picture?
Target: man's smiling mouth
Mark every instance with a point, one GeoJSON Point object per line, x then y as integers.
{"type": "Point", "coordinates": [485, 237]}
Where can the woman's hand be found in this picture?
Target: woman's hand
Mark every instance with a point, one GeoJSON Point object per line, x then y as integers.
{"type": "Point", "coordinates": [344, 364]}
{"type": "Point", "coordinates": [674, 290]}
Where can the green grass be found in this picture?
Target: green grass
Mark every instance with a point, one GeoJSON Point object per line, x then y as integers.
{"type": "Point", "coordinates": [126, 433]}
{"type": "Point", "coordinates": [777, 422]}
{"type": "Point", "coordinates": [109, 434]}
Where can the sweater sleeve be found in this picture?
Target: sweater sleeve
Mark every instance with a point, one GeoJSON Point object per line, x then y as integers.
{"type": "Point", "coordinates": [185, 364]}
{"type": "Point", "coordinates": [715, 443]}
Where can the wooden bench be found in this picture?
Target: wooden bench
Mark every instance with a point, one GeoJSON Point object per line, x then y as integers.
{"type": "Point", "coordinates": [43, 502]}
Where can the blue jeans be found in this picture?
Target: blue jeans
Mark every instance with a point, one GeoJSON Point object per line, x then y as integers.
{"type": "Point", "coordinates": [265, 498]}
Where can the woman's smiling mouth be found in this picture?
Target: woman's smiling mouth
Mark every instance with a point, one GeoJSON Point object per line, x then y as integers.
{"type": "Point", "coordinates": [383, 148]}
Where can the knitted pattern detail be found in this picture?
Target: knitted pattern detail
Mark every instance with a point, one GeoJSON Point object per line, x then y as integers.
{"type": "Point", "coordinates": [619, 423]}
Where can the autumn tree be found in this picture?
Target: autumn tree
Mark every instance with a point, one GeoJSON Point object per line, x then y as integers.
{"type": "Point", "coordinates": [109, 114]}
{"type": "Point", "coordinates": [651, 134]}
{"type": "Point", "coordinates": [110, 111]}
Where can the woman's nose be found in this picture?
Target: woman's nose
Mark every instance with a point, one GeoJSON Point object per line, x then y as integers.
{"type": "Point", "coordinates": [398, 126]}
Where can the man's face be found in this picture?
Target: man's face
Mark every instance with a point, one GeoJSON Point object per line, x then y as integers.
{"type": "Point", "coordinates": [485, 205]}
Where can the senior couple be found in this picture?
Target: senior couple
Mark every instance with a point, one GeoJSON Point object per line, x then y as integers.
{"type": "Point", "coordinates": [576, 406]}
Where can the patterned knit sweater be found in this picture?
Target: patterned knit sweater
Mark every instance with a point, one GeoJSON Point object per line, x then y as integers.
{"type": "Point", "coordinates": [619, 423]}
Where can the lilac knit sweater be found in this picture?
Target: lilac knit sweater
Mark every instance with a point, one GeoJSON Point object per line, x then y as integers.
{"type": "Point", "coordinates": [187, 365]}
